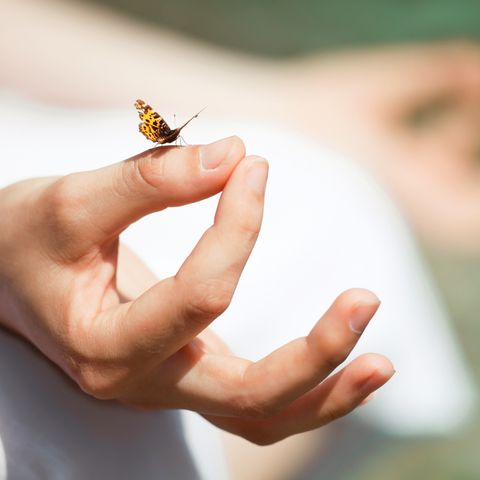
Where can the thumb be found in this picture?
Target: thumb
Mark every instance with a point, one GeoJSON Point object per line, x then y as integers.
{"type": "Point", "coordinates": [113, 197]}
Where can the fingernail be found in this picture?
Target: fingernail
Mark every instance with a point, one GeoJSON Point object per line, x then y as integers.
{"type": "Point", "coordinates": [256, 174]}
{"type": "Point", "coordinates": [212, 155]}
{"type": "Point", "coordinates": [361, 315]}
{"type": "Point", "coordinates": [377, 379]}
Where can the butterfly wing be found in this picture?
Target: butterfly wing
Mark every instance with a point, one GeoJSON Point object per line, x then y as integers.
{"type": "Point", "coordinates": [149, 132]}
{"type": "Point", "coordinates": [152, 125]}
{"type": "Point", "coordinates": [155, 120]}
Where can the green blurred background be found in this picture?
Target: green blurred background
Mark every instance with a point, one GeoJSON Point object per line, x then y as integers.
{"type": "Point", "coordinates": [456, 457]}
{"type": "Point", "coordinates": [282, 28]}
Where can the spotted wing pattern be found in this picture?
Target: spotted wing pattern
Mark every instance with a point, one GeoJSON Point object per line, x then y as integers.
{"type": "Point", "coordinates": [152, 125]}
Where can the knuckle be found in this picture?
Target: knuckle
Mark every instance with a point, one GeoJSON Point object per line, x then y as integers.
{"type": "Point", "coordinates": [90, 381]}
{"type": "Point", "coordinates": [63, 215]}
{"type": "Point", "coordinates": [98, 376]}
{"type": "Point", "coordinates": [254, 408]}
{"type": "Point", "coordinates": [148, 170]}
{"type": "Point", "coordinates": [247, 226]}
{"type": "Point", "coordinates": [65, 201]}
{"type": "Point", "coordinates": [333, 349]}
{"type": "Point", "coordinates": [259, 411]}
{"type": "Point", "coordinates": [250, 231]}
{"type": "Point", "coordinates": [209, 299]}
{"type": "Point", "coordinates": [332, 413]}
{"type": "Point", "coordinates": [329, 415]}
{"type": "Point", "coordinates": [98, 382]}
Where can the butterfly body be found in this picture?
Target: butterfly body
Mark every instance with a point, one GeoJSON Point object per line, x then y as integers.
{"type": "Point", "coordinates": [154, 127]}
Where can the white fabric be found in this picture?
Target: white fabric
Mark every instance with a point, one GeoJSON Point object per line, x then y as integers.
{"type": "Point", "coordinates": [327, 227]}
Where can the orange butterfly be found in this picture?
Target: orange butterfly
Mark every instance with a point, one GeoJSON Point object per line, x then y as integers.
{"type": "Point", "coordinates": [154, 127]}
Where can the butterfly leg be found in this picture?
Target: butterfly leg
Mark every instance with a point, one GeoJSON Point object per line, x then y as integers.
{"type": "Point", "coordinates": [183, 140]}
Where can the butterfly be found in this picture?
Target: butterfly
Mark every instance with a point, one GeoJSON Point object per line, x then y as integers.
{"type": "Point", "coordinates": [154, 127]}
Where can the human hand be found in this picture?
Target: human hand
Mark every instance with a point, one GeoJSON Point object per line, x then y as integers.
{"type": "Point", "coordinates": [146, 343]}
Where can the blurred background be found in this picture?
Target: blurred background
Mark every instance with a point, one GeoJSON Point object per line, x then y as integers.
{"type": "Point", "coordinates": [395, 85]}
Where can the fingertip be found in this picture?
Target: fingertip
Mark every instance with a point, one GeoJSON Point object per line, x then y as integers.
{"type": "Point", "coordinates": [226, 151]}
{"type": "Point", "coordinates": [375, 362]}
{"type": "Point", "coordinates": [256, 173]}
{"type": "Point", "coordinates": [358, 305]}
{"type": "Point", "coordinates": [374, 371]}
{"type": "Point", "coordinates": [252, 160]}
{"type": "Point", "coordinates": [355, 296]}
{"type": "Point", "coordinates": [238, 146]}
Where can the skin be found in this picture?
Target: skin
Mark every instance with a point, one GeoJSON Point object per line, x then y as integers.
{"type": "Point", "coordinates": [88, 304]}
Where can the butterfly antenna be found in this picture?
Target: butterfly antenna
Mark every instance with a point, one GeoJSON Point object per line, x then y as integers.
{"type": "Point", "coordinates": [195, 116]}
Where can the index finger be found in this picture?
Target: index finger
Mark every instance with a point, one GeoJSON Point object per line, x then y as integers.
{"type": "Point", "coordinates": [174, 311]}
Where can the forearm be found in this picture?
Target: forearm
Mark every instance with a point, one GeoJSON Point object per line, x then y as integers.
{"type": "Point", "coordinates": [163, 67]}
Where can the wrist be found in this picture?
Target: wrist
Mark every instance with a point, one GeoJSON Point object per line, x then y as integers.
{"type": "Point", "coordinates": [17, 236]}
